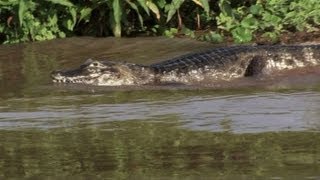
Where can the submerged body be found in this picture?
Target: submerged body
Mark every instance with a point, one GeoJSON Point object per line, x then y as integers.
{"type": "Point", "coordinates": [224, 63]}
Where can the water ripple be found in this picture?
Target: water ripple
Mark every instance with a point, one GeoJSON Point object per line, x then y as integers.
{"type": "Point", "coordinates": [236, 113]}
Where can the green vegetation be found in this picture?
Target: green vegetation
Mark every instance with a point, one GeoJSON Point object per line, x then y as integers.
{"type": "Point", "coordinates": [31, 20]}
{"type": "Point", "coordinates": [269, 18]}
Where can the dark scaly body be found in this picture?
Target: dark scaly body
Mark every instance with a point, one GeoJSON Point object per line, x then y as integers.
{"type": "Point", "coordinates": [237, 61]}
{"type": "Point", "coordinates": [223, 63]}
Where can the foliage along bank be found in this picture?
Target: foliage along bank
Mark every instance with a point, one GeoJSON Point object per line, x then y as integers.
{"type": "Point", "coordinates": [31, 20]}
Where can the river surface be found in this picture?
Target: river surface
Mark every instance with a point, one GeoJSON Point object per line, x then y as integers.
{"type": "Point", "coordinates": [245, 129]}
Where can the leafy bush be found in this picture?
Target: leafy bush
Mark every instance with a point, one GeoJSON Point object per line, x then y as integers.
{"type": "Point", "coordinates": [23, 20]}
{"type": "Point", "coordinates": [270, 17]}
{"type": "Point", "coordinates": [32, 20]}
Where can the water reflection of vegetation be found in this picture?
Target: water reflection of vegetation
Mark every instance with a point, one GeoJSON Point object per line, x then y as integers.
{"type": "Point", "coordinates": [142, 149]}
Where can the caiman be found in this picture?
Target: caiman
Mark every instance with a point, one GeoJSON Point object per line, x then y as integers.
{"type": "Point", "coordinates": [223, 63]}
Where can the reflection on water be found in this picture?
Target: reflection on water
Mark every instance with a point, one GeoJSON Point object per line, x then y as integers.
{"type": "Point", "coordinates": [259, 112]}
{"type": "Point", "coordinates": [141, 149]}
{"type": "Point", "coordinates": [246, 129]}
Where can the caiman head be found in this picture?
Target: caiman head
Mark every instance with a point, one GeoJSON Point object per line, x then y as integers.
{"type": "Point", "coordinates": [104, 73]}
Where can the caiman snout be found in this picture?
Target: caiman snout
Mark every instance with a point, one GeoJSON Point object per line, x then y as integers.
{"type": "Point", "coordinates": [55, 73]}
{"type": "Point", "coordinates": [57, 76]}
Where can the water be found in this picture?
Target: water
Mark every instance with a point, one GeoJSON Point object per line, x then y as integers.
{"type": "Point", "coordinates": [246, 129]}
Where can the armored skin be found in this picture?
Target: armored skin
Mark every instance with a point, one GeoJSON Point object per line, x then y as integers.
{"type": "Point", "coordinates": [224, 63]}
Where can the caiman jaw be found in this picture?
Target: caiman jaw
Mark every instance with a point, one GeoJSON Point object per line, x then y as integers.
{"type": "Point", "coordinates": [67, 77]}
{"type": "Point", "coordinates": [57, 78]}
{"type": "Point", "coordinates": [104, 73]}
{"type": "Point", "coordinates": [87, 73]}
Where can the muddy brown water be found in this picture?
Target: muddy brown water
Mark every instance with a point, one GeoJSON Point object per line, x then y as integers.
{"type": "Point", "coordinates": [244, 129]}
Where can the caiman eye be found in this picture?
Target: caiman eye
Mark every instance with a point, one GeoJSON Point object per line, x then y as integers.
{"type": "Point", "coordinates": [95, 64]}
{"type": "Point", "coordinates": [83, 66]}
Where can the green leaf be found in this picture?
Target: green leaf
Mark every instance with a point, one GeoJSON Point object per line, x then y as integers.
{"type": "Point", "coordinates": [250, 22]}
{"type": "Point", "coordinates": [61, 2]}
{"type": "Point", "coordinates": [143, 4]}
{"type": "Point", "coordinates": [188, 32]}
{"type": "Point", "coordinates": [62, 34]}
{"type": "Point", "coordinates": [52, 19]}
{"type": "Point", "coordinates": [117, 13]}
{"type": "Point", "coordinates": [171, 12]}
{"type": "Point", "coordinates": [271, 20]}
{"type": "Point", "coordinates": [177, 3]}
{"type": "Point", "coordinates": [173, 7]}
{"type": "Point", "coordinates": [204, 4]}
{"type": "Point", "coordinates": [85, 14]}
{"type": "Point", "coordinates": [225, 7]}
{"type": "Point", "coordinates": [22, 9]}
{"type": "Point", "coordinates": [69, 23]}
{"type": "Point", "coordinates": [271, 35]}
{"type": "Point", "coordinates": [171, 32]}
{"type": "Point", "coordinates": [9, 3]}
{"type": "Point", "coordinates": [73, 13]}
{"type": "Point", "coordinates": [241, 34]}
{"type": "Point", "coordinates": [161, 3]}
{"type": "Point", "coordinates": [215, 37]}
{"type": "Point", "coordinates": [154, 9]}
{"type": "Point", "coordinates": [256, 9]}
{"type": "Point", "coordinates": [134, 6]}
{"type": "Point", "coordinates": [226, 22]}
